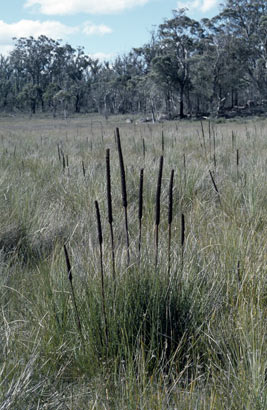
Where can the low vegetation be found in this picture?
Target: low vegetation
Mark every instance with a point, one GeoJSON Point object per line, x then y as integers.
{"type": "Point", "coordinates": [133, 278]}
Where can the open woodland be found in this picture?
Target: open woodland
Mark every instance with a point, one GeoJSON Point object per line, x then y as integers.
{"type": "Point", "coordinates": [173, 314]}
{"type": "Point", "coordinates": [213, 67]}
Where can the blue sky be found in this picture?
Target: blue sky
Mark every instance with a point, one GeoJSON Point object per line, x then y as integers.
{"type": "Point", "coordinates": [105, 28]}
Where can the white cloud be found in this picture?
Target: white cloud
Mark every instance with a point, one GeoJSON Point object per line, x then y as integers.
{"type": "Point", "coordinates": [35, 28]}
{"type": "Point", "coordinates": [209, 5]}
{"type": "Point", "coordinates": [202, 5]}
{"type": "Point", "coordinates": [103, 56]}
{"type": "Point", "coordinates": [52, 7]}
{"type": "Point", "coordinates": [91, 29]}
{"type": "Point", "coordinates": [5, 49]}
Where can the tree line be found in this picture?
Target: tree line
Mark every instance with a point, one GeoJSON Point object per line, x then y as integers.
{"type": "Point", "coordinates": [188, 68]}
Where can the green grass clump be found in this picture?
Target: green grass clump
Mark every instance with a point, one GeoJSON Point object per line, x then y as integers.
{"type": "Point", "coordinates": [108, 331]}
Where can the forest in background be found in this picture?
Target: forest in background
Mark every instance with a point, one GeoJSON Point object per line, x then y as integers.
{"type": "Point", "coordinates": [215, 67]}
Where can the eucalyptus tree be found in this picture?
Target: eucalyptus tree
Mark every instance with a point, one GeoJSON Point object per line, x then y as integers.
{"type": "Point", "coordinates": [32, 59]}
{"type": "Point", "coordinates": [50, 97]}
{"type": "Point", "coordinates": [75, 80]}
{"type": "Point", "coordinates": [178, 41]}
{"type": "Point", "coordinates": [30, 96]}
{"type": "Point", "coordinates": [246, 20]}
{"type": "Point", "coordinates": [100, 77]}
{"type": "Point", "coordinates": [7, 92]}
{"type": "Point", "coordinates": [218, 74]}
{"type": "Point", "coordinates": [127, 84]}
{"type": "Point", "coordinates": [151, 93]}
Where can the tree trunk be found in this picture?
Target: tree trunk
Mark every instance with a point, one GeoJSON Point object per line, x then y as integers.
{"type": "Point", "coordinates": [168, 105]}
{"type": "Point", "coordinates": [77, 104]}
{"type": "Point", "coordinates": [189, 104]}
{"type": "Point", "coordinates": [33, 106]}
{"type": "Point", "coordinates": [182, 103]}
{"type": "Point", "coordinates": [153, 113]}
{"type": "Point", "coordinates": [232, 98]}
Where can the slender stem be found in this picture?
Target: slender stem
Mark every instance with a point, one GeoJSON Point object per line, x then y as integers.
{"type": "Point", "coordinates": [237, 163]}
{"type": "Point", "coordinates": [58, 152]}
{"type": "Point", "coordinates": [182, 239]}
{"type": "Point", "coordinates": [215, 187]}
{"type": "Point", "coordinates": [182, 230]}
{"type": "Point", "coordinates": [157, 213]}
{"type": "Point", "coordinates": [140, 210]}
{"type": "Point", "coordinates": [127, 234]}
{"type": "Point", "coordinates": [124, 193]}
{"type": "Point", "coordinates": [210, 138]}
{"type": "Point", "coordinates": [213, 182]}
{"type": "Point", "coordinates": [100, 240]}
{"type": "Point", "coordinates": [63, 161]}
{"type": "Point", "coordinates": [170, 212]}
{"type": "Point", "coordinates": [156, 244]}
{"type": "Point", "coordinates": [238, 271]}
{"type": "Point", "coordinates": [169, 246]}
{"type": "Point", "coordinates": [110, 217]}
{"type": "Point", "coordinates": [83, 168]}
{"type": "Point", "coordinates": [144, 148]}
{"type": "Point", "coordinates": [203, 138]}
{"type": "Point", "coordinates": [214, 149]}
{"type": "Point", "coordinates": [140, 240]}
{"type": "Point", "coordinates": [184, 163]}
{"type": "Point", "coordinates": [69, 269]}
{"type": "Point", "coordinates": [112, 252]}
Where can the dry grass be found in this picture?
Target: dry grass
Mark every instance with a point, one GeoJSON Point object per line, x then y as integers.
{"type": "Point", "coordinates": [189, 335]}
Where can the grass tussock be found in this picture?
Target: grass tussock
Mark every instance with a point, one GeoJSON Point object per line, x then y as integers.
{"type": "Point", "coordinates": [88, 319]}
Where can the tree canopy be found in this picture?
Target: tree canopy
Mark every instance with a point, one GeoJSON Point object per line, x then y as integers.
{"type": "Point", "coordinates": [189, 68]}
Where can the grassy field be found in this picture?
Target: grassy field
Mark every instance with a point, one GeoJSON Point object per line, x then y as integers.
{"type": "Point", "coordinates": [178, 326]}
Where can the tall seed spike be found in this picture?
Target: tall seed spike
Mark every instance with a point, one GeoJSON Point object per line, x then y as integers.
{"type": "Point", "coordinates": [99, 227]}
{"type": "Point", "coordinates": [123, 179]}
{"type": "Point", "coordinates": [100, 239]}
{"type": "Point", "coordinates": [238, 270]}
{"type": "Point", "coordinates": [109, 198]}
{"type": "Point", "coordinates": [73, 295]}
{"type": "Point", "coordinates": [110, 217]}
{"type": "Point", "coordinates": [182, 230]}
{"type": "Point", "coordinates": [124, 193]}
{"type": "Point", "coordinates": [140, 209]}
{"type": "Point", "coordinates": [214, 150]}
{"type": "Point", "coordinates": [68, 263]}
{"type": "Point", "coordinates": [63, 161]}
{"type": "Point", "coordinates": [213, 182]}
{"type": "Point", "coordinates": [237, 163]}
{"type": "Point", "coordinates": [157, 214]}
{"type": "Point", "coordinates": [83, 168]}
{"type": "Point", "coordinates": [170, 217]}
